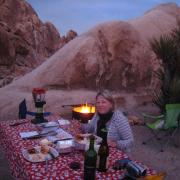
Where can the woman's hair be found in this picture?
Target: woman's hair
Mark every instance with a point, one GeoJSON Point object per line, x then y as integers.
{"type": "Point", "coordinates": [108, 96]}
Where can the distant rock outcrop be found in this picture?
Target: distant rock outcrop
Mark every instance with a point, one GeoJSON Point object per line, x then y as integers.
{"type": "Point", "coordinates": [65, 39]}
{"type": "Point", "coordinates": [25, 41]}
{"type": "Point", "coordinates": [113, 55]}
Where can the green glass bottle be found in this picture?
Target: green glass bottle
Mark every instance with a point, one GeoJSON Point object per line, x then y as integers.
{"type": "Point", "coordinates": [103, 153]}
{"type": "Point", "coordinates": [90, 159]}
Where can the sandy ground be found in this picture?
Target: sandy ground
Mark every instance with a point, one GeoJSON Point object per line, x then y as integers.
{"type": "Point", "coordinates": [4, 168]}
{"type": "Point", "coordinates": [167, 161]}
{"type": "Point", "coordinates": [150, 154]}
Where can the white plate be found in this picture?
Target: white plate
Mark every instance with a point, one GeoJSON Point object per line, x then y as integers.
{"type": "Point", "coordinates": [84, 143]}
{"type": "Point", "coordinates": [61, 134]}
{"type": "Point", "coordinates": [28, 134]}
{"type": "Point", "coordinates": [65, 146]}
{"type": "Point", "coordinates": [38, 156]}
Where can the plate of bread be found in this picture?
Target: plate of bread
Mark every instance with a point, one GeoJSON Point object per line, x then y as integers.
{"type": "Point", "coordinates": [39, 153]}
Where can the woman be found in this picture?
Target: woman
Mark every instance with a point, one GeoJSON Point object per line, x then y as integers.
{"type": "Point", "coordinates": [119, 131]}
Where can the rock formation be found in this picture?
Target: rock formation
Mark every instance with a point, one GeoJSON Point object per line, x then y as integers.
{"type": "Point", "coordinates": [65, 39]}
{"type": "Point", "coordinates": [25, 41]}
{"type": "Point", "coordinates": [113, 55]}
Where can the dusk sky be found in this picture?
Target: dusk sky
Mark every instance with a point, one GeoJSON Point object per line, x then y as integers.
{"type": "Point", "coordinates": [81, 15]}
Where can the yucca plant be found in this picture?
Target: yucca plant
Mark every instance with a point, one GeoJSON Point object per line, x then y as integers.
{"type": "Point", "coordinates": [176, 37]}
{"type": "Point", "coordinates": [167, 49]}
{"type": "Point", "coordinates": [174, 91]}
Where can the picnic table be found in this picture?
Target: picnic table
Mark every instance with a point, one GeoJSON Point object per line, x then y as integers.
{"type": "Point", "coordinates": [58, 168]}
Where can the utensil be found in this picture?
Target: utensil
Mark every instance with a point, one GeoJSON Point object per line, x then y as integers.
{"type": "Point", "coordinates": [50, 133]}
{"type": "Point", "coordinates": [46, 161]}
{"type": "Point", "coordinates": [51, 154]}
{"type": "Point", "coordinates": [62, 140]}
{"type": "Point", "coordinates": [18, 123]}
{"type": "Point", "coordinates": [49, 124]}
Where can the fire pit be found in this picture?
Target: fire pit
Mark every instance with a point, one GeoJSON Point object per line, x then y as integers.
{"type": "Point", "coordinates": [83, 112]}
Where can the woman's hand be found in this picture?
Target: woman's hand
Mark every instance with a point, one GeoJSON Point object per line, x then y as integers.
{"type": "Point", "coordinates": [112, 143]}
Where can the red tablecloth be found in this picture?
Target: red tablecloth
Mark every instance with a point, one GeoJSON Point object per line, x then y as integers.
{"type": "Point", "coordinates": [58, 168]}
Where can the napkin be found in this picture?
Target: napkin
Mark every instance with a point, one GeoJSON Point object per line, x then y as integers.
{"type": "Point", "coordinates": [28, 134]}
{"type": "Point", "coordinates": [61, 135]}
{"type": "Point", "coordinates": [49, 124]}
{"type": "Point", "coordinates": [63, 121]}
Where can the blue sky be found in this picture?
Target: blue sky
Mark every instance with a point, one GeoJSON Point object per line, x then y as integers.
{"type": "Point", "coordinates": [81, 15]}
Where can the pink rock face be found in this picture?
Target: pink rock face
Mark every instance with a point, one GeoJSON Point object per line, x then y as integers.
{"type": "Point", "coordinates": [25, 41]}
{"type": "Point", "coordinates": [113, 55]}
{"type": "Point", "coordinates": [65, 39]}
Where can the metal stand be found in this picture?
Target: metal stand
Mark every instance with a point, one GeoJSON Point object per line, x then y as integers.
{"type": "Point", "coordinates": [39, 117]}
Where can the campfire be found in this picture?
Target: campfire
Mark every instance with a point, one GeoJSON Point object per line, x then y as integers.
{"type": "Point", "coordinates": [85, 109]}
{"type": "Point", "coordinates": [84, 112]}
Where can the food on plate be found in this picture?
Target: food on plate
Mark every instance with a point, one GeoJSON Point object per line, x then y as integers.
{"type": "Point", "coordinates": [39, 153]}
{"type": "Point", "coordinates": [81, 137]}
{"type": "Point", "coordinates": [82, 140]}
{"type": "Point", "coordinates": [31, 150]}
{"type": "Point", "coordinates": [45, 149]}
{"type": "Point", "coordinates": [45, 142]}
{"type": "Point", "coordinates": [37, 157]}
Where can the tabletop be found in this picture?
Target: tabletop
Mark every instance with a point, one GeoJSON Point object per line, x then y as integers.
{"type": "Point", "coordinates": [57, 168]}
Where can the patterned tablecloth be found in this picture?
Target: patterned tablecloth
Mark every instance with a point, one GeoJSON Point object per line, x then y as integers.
{"type": "Point", "coordinates": [58, 168]}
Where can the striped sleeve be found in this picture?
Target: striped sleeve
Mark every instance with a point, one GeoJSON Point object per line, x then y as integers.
{"type": "Point", "coordinates": [121, 131]}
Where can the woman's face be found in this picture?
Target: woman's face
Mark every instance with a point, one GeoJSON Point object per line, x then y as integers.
{"type": "Point", "coordinates": [103, 106]}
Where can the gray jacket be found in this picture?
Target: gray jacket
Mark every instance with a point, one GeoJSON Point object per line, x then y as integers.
{"type": "Point", "coordinates": [118, 127]}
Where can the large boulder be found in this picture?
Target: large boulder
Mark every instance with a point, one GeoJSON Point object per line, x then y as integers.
{"type": "Point", "coordinates": [113, 55]}
{"type": "Point", "coordinates": [25, 41]}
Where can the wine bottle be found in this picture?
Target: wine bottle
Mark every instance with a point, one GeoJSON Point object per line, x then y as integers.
{"type": "Point", "coordinates": [103, 153]}
{"type": "Point", "coordinates": [90, 159]}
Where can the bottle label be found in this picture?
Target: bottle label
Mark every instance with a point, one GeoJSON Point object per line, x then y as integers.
{"type": "Point", "coordinates": [102, 163]}
{"type": "Point", "coordinates": [97, 162]}
{"type": "Point", "coordinates": [107, 162]}
{"type": "Point", "coordinates": [39, 110]}
{"type": "Point", "coordinates": [89, 172]}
